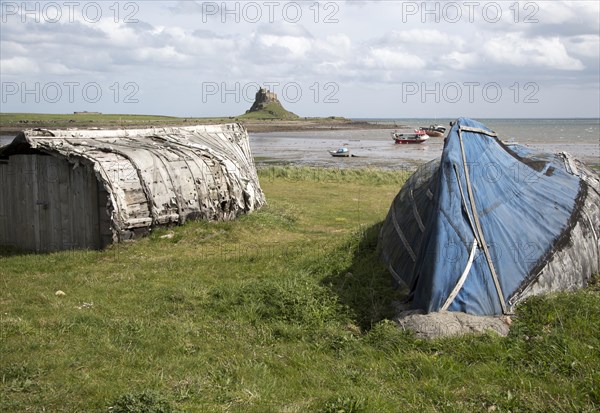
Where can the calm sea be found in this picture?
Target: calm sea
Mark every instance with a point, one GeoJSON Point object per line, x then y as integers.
{"type": "Point", "coordinates": [525, 130]}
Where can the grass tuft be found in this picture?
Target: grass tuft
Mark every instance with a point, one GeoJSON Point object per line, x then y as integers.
{"type": "Point", "coordinates": [348, 404]}
{"type": "Point", "coordinates": [145, 402]}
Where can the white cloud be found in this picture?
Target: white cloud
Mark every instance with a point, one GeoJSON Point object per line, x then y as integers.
{"type": "Point", "coordinates": [389, 59]}
{"type": "Point", "coordinates": [460, 61]}
{"type": "Point", "coordinates": [165, 55]}
{"type": "Point", "coordinates": [121, 35]}
{"type": "Point", "coordinates": [12, 48]}
{"type": "Point", "coordinates": [19, 66]}
{"type": "Point", "coordinates": [423, 36]}
{"type": "Point", "coordinates": [59, 69]}
{"type": "Point", "coordinates": [559, 12]}
{"type": "Point", "coordinates": [339, 46]}
{"type": "Point", "coordinates": [514, 49]}
{"type": "Point", "coordinates": [297, 47]}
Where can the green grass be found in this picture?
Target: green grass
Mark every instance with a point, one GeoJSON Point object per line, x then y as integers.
{"type": "Point", "coordinates": [69, 120]}
{"type": "Point", "coordinates": [14, 122]}
{"type": "Point", "coordinates": [270, 111]}
{"type": "Point", "coordinates": [284, 310]}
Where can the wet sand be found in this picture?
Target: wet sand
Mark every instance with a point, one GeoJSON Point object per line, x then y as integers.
{"type": "Point", "coordinates": [375, 148]}
{"type": "Point", "coordinates": [371, 148]}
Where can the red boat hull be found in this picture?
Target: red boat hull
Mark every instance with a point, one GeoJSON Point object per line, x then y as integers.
{"type": "Point", "coordinates": [401, 141]}
{"type": "Point", "coordinates": [418, 137]}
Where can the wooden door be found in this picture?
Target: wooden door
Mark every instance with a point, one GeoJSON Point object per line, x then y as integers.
{"type": "Point", "coordinates": [51, 204]}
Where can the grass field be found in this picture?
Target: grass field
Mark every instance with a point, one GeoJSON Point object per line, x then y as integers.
{"type": "Point", "coordinates": [284, 310]}
{"type": "Point", "coordinates": [18, 121]}
{"type": "Point", "coordinates": [268, 120]}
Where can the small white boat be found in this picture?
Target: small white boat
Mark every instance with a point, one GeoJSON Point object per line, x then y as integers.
{"type": "Point", "coordinates": [340, 153]}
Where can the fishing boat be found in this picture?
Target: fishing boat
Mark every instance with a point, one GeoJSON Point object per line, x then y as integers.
{"type": "Point", "coordinates": [340, 153]}
{"type": "Point", "coordinates": [436, 131]}
{"type": "Point", "coordinates": [419, 136]}
{"type": "Point", "coordinates": [490, 224]}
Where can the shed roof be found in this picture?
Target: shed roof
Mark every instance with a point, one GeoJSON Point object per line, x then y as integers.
{"type": "Point", "coordinates": [158, 176]}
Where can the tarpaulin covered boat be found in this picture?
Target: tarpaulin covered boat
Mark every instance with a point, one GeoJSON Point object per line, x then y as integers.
{"type": "Point", "coordinates": [490, 224]}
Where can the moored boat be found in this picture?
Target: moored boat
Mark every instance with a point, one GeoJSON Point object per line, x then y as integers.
{"type": "Point", "coordinates": [436, 131]}
{"type": "Point", "coordinates": [340, 153]}
{"type": "Point", "coordinates": [419, 136]}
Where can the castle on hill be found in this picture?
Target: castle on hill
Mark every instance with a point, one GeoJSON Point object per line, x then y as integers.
{"type": "Point", "coordinates": [263, 97]}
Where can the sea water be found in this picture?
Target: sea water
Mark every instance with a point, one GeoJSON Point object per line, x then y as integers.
{"type": "Point", "coordinates": [375, 147]}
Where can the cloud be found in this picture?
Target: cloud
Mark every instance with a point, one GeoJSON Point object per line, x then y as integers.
{"type": "Point", "coordinates": [19, 66]}
{"type": "Point", "coordinates": [460, 60]}
{"type": "Point", "coordinates": [585, 45]}
{"type": "Point", "coordinates": [185, 7]}
{"type": "Point", "coordinates": [334, 47]}
{"type": "Point", "coordinates": [292, 47]}
{"type": "Point", "coordinates": [166, 55]}
{"type": "Point", "coordinates": [280, 28]}
{"type": "Point", "coordinates": [514, 49]}
{"type": "Point", "coordinates": [54, 68]}
{"type": "Point", "coordinates": [53, 33]}
{"type": "Point", "coordinates": [12, 48]}
{"type": "Point", "coordinates": [384, 58]}
{"type": "Point", "coordinates": [422, 37]}
{"type": "Point", "coordinates": [583, 14]}
{"type": "Point", "coordinates": [563, 18]}
{"type": "Point", "coordinates": [174, 48]}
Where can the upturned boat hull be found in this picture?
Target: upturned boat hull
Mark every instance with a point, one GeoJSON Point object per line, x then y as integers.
{"type": "Point", "coordinates": [488, 225]}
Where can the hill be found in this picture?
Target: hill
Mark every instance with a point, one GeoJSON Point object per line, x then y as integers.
{"type": "Point", "coordinates": [267, 106]}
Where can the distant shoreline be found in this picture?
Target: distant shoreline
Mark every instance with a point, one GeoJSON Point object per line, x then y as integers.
{"type": "Point", "coordinates": [13, 123]}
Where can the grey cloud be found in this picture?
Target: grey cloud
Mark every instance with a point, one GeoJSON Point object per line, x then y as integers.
{"type": "Point", "coordinates": [209, 34]}
{"type": "Point", "coordinates": [141, 26]}
{"type": "Point", "coordinates": [185, 7]}
{"type": "Point", "coordinates": [64, 33]}
{"type": "Point", "coordinates": [280, 28]}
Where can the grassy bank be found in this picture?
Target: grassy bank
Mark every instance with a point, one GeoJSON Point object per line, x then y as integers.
{"type": "Point", "coordinates": [270, 111]}
{"type": "Point", "coordinates": [284, 310]}
{"type": "Point", "coordinates": [12, 123]}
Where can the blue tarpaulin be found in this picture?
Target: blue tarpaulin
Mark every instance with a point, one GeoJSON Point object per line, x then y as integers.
{"type": "Point", "coordinates": [473, 230]}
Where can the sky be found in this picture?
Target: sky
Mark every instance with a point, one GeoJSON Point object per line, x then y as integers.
{"type": "Point", "coordinates": [358, 59]}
